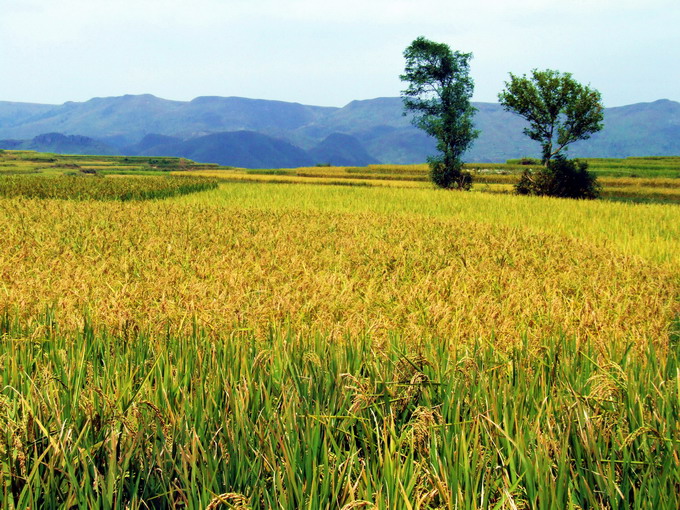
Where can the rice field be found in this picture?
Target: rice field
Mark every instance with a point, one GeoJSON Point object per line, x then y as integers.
{"type": "Point", "coordinates": [93, 188]}
{"type": "Point", "coordinates": [93, 420]}
{"type": "Point", "coordinates": [29, 162]}
{"type": "Point", "coordinates": [278, 345]}
{"type": "Point", "coordinates": [644, 180]}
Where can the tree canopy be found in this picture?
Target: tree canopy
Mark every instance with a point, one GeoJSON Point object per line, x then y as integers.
{"type": "Point", "coordinates": [438, 94]}
{"type": "Point", "coordinates": [558, 108]}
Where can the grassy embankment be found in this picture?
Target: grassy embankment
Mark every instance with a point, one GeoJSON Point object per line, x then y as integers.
{"type": "Point", "coordinates": [288, 346]}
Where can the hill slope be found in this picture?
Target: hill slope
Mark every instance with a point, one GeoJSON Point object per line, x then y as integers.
{"type": "Point", "coordinates": [246, 149]}
{"type": "Point", "coordinates": [127, 119]}
{"type": "Point", "coordinates": [374, 130]}
{"type": "Point", "coordinates": [341, 150]}
{"type": "Point", "coordinates": [61, 144]}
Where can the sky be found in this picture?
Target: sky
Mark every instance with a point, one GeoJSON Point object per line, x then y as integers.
{"type": "Point", "coordinates": [327, 53]}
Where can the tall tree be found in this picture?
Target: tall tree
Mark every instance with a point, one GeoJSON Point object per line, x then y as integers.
{"type": "Point", "coordinates": [438, 94]}
{"type": "Point", "coordinates": [558, 108]}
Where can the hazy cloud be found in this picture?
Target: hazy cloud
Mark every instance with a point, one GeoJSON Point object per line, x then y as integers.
{"type": "Point", "coordinates": [326, 52]}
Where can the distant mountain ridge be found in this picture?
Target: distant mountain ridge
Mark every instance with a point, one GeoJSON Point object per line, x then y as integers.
{"type": "Point", "coordinates": [268, 134]}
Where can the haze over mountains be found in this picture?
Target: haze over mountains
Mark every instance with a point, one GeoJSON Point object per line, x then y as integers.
{"type": "Point", "coordinates": [255, 133]}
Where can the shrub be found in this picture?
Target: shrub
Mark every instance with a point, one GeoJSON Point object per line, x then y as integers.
{"type": "Point", "coordinates": [451, 176]}
{"type": "Point", "coordinates": [560, 178]}
{"type": "Point", "coordinates": [529, 161]}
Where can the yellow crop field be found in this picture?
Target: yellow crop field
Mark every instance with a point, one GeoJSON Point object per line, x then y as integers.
{"type": "Point", "coordinates": [165, 265]}
{"type": "Point", "coordinates": [280, 341]}
{"type": "Point", "coordinates": [638, 180]}
{"type": "Point", "coordinates": [331, 179]}
{"type": "Point", "coordinates": [650, 231]}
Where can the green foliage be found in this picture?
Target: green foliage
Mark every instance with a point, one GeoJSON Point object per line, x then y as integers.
{"type": "Point", "coordinates": [449, 176]}
{"type": "Point", "coordinates": [438, 93]}
{"type": "Point", "coordinates": [560, 178]}
{"type": "Point", "coordinates": [528, 161]}
{"type": "Point", "coordinates": [166, 164]}
{"type": "Point", "coordinates": [674, 336]}
{"type": "Point", "coordinates": [92, 420]}
{"type": "Point", "coordinates": [558, 108]}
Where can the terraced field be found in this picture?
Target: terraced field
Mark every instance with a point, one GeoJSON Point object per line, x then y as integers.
{"type": "Point", "coordinates": [646, 180]}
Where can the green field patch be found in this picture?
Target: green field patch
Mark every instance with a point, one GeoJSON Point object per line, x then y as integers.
{"type": "Point", "coordinates": [98, 188]}
{"type": "Point", "coordinates": [130, 171]}
{"type": "Point", "coordinates": [275, 171]}
{"type": "Point", "coordinates": [289, 422]}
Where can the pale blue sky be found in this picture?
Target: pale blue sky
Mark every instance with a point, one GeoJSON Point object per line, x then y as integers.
{"type": "Point", "coordinates": [326, 52]}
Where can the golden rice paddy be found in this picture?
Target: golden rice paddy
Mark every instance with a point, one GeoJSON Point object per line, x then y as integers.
{"type": "Point", "coordinates": [165, 264]}
{"type": "Point", "coordinates": [299, 344]}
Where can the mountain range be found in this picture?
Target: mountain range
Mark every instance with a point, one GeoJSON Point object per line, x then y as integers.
{"type": "Point", "coordinates": [255, 133]}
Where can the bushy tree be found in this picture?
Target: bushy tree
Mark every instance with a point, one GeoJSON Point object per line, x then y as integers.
{"type": "Point", "coordinates": [438, 94]}
{"type": "Point", "coordinates": [559, 110]}
{"type": "Point", "coordinates": [561, 177]}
